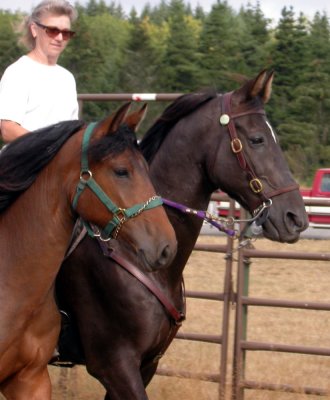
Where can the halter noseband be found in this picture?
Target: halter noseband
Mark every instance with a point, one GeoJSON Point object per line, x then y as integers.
{"type": "Point", "coordinates": [255, 184]}
{"type": "Point", "coordinates": [120, 215]}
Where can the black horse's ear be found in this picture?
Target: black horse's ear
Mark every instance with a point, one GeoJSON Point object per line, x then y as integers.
{"type": "Point", "coordinates": [260, 86]}
{"type": "Point", "coordinates": [263, 86]}
{"type": "Point", "coordinates": [135, 119]}
{"type": "Point", "coordinates": [267, 90]}
{"type": "Point", "coordinates": [257, 84]}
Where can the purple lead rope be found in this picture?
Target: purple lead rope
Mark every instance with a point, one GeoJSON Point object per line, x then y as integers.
{"type": "Point", "coordinates": [199, 214]}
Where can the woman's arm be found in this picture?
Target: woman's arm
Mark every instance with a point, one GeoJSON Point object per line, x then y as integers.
{"type": "Point", "coordinates": [11, 130]}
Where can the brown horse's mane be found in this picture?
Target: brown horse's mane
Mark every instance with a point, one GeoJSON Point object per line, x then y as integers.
{"type": "Point", "coordinates": [180, 108]}
{"type": "Point", "coordinates": [23, 159]}
{"type": "Point", "coordinates": [124, 138]}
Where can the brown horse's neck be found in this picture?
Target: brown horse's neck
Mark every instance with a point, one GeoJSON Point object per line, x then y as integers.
{"type": "Point", "coordinates": [37, 227]}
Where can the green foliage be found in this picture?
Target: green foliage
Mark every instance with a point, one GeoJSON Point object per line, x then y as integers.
{"type": "Point", "coordinates": [9, 48]}
{"type": "Point", "coordinates": [96, 57]}
{"type": "Point", "coordinates": [255, 40]}
{"type": "Point", "coordinates": [181, 52]}
{"type": "Point", "coordinates": [219, 47]}
{"type": "Point", "coordinates": [173, 48]}
{"type": "Point", "coordinates": [139, 52]}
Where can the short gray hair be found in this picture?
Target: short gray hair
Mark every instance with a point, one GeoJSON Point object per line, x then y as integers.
{"type": "Point", "coordinates": [46, 7]}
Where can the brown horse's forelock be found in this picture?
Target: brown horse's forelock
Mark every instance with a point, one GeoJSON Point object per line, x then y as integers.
{"type": "Point", "coordinates": [181, 107]}
{"type": "Point", "coordinates": [23, 159]}
{"type": "Point", "coordinates": [113, 144]}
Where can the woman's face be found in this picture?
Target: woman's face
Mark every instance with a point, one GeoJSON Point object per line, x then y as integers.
{"type": "Point", "coordinates": [51, 42]}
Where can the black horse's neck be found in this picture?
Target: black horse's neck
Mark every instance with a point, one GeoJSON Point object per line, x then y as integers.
{"type": "Point", "coordinates": [178, 174]}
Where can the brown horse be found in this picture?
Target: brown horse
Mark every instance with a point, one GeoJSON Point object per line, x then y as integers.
{"type": "Point", "coordinates": [201, 142]}
{"type": "Point", "coordinates": [42, 191]}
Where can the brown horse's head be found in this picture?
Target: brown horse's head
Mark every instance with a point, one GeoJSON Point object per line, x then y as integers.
{"type": "Point", "coordinates": [115, 192]}
{"type": "Point", "coordinates": [249, 164]}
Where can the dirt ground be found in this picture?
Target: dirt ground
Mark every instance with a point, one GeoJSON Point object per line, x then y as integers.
{"type": "Point", "coordinates": [281, 279]}
{"type": "Point", "coordinates": [269, 278]}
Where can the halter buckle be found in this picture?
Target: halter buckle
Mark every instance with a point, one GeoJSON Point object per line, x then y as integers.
{"type": "Point", "coordinates": [236, 145]}
{"type": "Point", "coordinates": [120, 214]}
{"type": "Point", "coordinates": [256, 185]}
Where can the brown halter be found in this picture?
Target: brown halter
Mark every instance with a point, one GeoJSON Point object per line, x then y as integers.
{"type": "Point", "coordinates": [227, 119]}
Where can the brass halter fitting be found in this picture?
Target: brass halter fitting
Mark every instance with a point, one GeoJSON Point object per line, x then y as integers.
{"type": "Point", "coordinates": [256, 185]}
{"type": "Point", "coordinates": [236, 145]}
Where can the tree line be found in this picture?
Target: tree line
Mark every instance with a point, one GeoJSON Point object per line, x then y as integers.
{"type": "Point", "coordinates": [173, 48]}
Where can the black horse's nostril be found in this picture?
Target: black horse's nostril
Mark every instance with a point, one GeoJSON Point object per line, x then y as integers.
{"type": "Point", "coordinates": [298, 223]}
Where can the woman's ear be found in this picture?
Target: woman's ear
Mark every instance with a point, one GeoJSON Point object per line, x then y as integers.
{"type": "Point", "coordinates": [33, 29]}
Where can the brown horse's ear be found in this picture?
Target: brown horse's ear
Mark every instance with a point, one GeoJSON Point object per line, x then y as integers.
{"type": "Point", "coordinates": [260, 86]}
{"type": "Point", "coordinates": [135, 119]}
{"type": "Point", "coordinates": [112, 123]}
{"type": "Point", "coordinates": [118, 118]}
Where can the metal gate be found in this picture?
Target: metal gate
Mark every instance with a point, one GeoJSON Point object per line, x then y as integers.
{"type": "Point", "coordinates": [239, 297]}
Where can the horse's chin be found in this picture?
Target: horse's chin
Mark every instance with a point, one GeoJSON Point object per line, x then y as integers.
{"type": "Point", "coordinates": [282, 235]}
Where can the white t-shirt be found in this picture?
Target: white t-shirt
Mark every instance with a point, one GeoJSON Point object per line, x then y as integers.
{"type": "Point", "coordinates": [36, 95]}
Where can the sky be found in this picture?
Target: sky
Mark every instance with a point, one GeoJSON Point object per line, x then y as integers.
{"type": "Point", "coordinates": [271, 8]}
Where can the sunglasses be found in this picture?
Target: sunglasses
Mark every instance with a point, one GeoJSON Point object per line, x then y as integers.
{"type": "Point", "coordinates": [52, 31]}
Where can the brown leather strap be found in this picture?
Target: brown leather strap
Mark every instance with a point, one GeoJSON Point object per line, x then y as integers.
{"type": "Point", "coordinates": [78, 233]}
{"type": "Point", "coordinates": [171, 335]}
{"type": "Point", "coordinates": [238, 150]}
{"type": "Point", "coordinates": [286, 189]}
{"type": "Point", "coordinates": [177, 316]}
{"type": "Point", "coordinates": [226, 109]}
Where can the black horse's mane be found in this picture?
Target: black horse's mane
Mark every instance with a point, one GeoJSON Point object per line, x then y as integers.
{"type": "Point", "coordinates": [180, 108]}
{"type": "Point", "coordinates": [23, 159]}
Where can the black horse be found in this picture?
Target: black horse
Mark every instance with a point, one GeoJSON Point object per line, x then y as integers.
{"type": "Point", "coordinates": [200, 143]}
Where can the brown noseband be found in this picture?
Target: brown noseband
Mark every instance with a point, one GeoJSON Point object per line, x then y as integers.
{"type": "Point", "coordinates": [227, 119]}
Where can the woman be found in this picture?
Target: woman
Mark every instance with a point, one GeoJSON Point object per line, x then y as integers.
{"type": "Point", "coordinates": [35, 91]}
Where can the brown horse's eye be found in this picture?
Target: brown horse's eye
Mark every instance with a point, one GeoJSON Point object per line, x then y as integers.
{"type": "Point", "coordinates": [121, 172]}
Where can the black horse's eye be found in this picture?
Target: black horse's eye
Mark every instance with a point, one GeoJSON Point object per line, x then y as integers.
{"type": "Point", "coordinates": [121, 172]}
{"type": "Point", "coordinates": [256, 140]}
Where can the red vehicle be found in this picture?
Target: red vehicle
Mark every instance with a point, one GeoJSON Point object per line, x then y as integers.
{"type": "Point", "coordinates": [221, 206]}
{"type": "Point", "coordinates": [319, 215]}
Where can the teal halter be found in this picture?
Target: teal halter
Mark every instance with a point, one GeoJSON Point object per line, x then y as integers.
{"type": "Point", "coordinates": [120, 215]}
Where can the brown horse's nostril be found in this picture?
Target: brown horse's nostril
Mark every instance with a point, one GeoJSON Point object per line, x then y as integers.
{"type": "Point", "coordinates": [165, 256]}
{"type": "Point", "coordinates": [160, 259]}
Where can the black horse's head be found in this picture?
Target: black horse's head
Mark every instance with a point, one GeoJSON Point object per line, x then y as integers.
{"type": "Point", "coordinates": [249, 164]}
